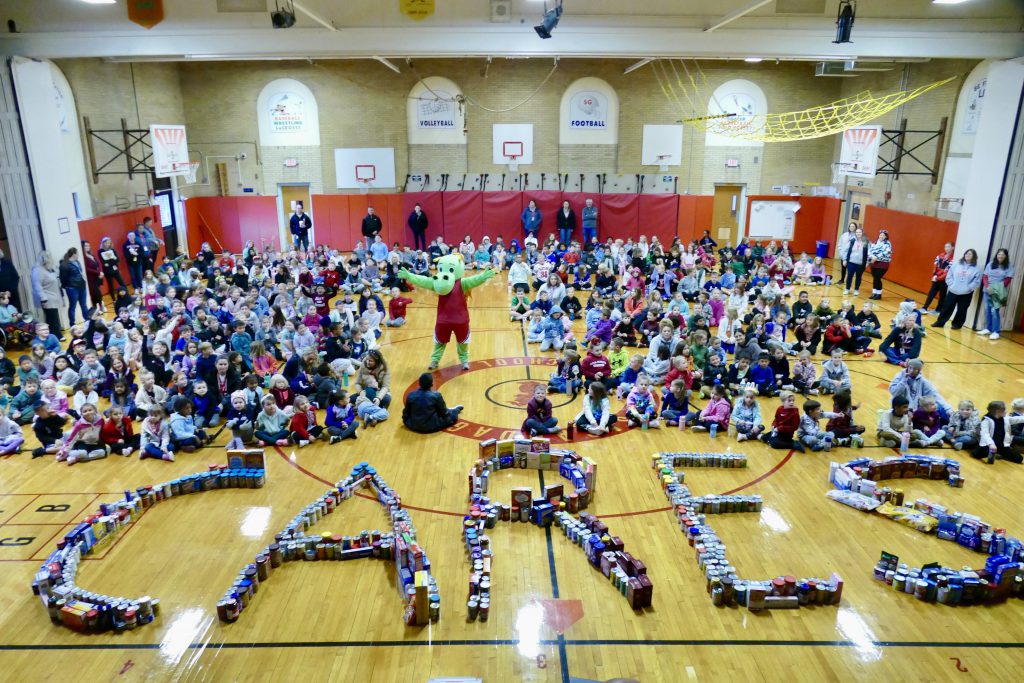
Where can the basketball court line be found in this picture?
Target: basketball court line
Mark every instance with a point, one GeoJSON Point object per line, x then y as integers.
{"type": "Point", "coordinates": [568, 642]}
{"type": "Point", "coordinates": [562, 654]}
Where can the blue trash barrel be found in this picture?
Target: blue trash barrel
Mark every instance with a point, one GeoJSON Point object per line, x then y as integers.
{"type": "Point", "coordinates": [821, 249]}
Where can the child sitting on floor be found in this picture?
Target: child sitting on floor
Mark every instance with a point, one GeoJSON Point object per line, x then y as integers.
{"type": "Point", "coordinates": [746, 416]}
{"type": "Point", "coordinates": [810, 432]}
{"type": "Point", "coordinates": [83, 442]}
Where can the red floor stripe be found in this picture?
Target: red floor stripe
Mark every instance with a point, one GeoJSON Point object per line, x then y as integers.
{"type": "Point", "coordinates": [764, 476]}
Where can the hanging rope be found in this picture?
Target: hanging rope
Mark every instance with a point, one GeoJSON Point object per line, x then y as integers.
{"type": "Point", "coordinates": [470, 100]}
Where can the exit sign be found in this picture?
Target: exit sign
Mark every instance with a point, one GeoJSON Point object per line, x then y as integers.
{"type": "Point", "coordinates": [732, 163]}
{"type": "Point", "coordinates": [291, 163]}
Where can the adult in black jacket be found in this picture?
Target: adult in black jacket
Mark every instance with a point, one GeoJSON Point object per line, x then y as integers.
{"type": "Point", "coordinates": [371, 226]}
{"type": "Point", "coordinates": [425, 411]}
{"type": "Point", "coordinates": [72, 279]}
{"type": "Point", "coordinates": [418, 224]}
{"type": "Point", "coordinates": [566, 220]}
{"type": "Point", "coordinates": [9, 279]}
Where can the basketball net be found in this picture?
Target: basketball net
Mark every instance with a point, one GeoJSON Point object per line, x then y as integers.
{"type": "Point", "coordinates": [364, 187]}
{"type": "Point", "coordinates": [513, 164]}
{"type": "Point", "coordinates": [190, 175]}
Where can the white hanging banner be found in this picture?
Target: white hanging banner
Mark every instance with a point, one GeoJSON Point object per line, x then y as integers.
{"type": "Point", "coordinates": [170, 150]}
{"type": "Point", "coordinates": [859, 155]}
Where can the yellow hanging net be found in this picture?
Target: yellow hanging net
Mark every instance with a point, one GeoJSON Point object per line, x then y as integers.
{"type": "Point", "coordinates": [816, 122]}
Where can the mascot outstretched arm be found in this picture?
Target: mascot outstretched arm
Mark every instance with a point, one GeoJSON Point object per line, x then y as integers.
{"type": "Point", "coordinates": [451, 288]}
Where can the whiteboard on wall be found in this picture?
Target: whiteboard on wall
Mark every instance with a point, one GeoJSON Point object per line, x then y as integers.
{"type": "Point", "coordinates": [772, 219]}
{"type": "Point", "coordinates": [662, 145]}
{"type": "Point", "coordinates": [375, 165]}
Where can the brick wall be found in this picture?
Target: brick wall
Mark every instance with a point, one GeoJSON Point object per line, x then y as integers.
{"type": "Point", "coordinates": [362, 104]}
{"type": "Point", "coordinates": [915, 194]}
{"type": "Point", "coordinates": [106, 92]}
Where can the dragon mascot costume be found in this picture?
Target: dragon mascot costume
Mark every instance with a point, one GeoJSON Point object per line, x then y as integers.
{"type": "Point", "coordinates": [451, 288]}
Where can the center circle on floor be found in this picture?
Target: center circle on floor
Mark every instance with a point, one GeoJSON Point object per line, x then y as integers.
{"type": "Point", "coordinates": [513, 394]}
{"type": "Point", "coordinates": [516, 393]}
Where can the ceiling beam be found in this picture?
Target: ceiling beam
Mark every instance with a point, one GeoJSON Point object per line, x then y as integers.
{"type": "Point", "coordinates": [736, 14]}
{"type": "Point", "coordinates": [426, 42]}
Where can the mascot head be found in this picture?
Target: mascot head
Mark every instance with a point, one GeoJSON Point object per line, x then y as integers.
{"type": "Point", "coordinates": [449, 269]}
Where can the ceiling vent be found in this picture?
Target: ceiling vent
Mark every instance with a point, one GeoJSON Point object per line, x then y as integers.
{"type": "Point", "coordinates": [832, 69]}
{"type": "Point", "coordinates": [501, 11]}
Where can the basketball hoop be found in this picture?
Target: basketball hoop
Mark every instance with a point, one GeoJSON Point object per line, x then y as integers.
{"type": "Point", "coordinates": [364, 186]}
{"type": "Point", "coordinates": [513, 163]}
{"type": "Point", "coordinates": [190, 174]}
{"type": "Point", "coordinates": [663, 160]}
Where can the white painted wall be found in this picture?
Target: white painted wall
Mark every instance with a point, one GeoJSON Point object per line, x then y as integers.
{"type": "Point", "coordinates": [988, 163]}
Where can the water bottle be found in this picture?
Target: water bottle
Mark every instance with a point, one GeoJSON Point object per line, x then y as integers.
{"type": "Point", "coordinates": [905, 442]}
{"type": "Point", "coordinates": [714, 430]}
{"type": "Point", "coordinates": [828, 280]}
{"type": "Point", "coordinates": [570, 431]}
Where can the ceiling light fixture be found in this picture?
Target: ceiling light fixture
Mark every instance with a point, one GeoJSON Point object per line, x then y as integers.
{"type": "Point", "coordinates": [550, 20]}
{"type": "Point", "coordinates": [844, 21]}
{"type": "Point", "coordinates": [99, 2]}
{"type": "Point", "coordinates": [283, 18]}
{"type": "Point", "coordinates": [949, 2]}
{"type": "Point", "coordinates": [754, 60]}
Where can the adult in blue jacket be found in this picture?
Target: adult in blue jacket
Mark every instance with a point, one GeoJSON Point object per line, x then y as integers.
{"type": "Point", "coordinates": [531, 219]}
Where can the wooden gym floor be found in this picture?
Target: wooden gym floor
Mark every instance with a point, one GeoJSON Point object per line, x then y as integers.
{"type": "Point", "coordinates": [314, 621]}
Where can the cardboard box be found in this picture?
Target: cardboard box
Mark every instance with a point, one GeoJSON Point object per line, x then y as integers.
{"type": "Point", "coordinates": [488, 449]}
{"type": "Point", "coordinates": [522, 498]}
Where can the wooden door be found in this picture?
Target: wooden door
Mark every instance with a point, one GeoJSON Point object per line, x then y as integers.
{"type": "Point", "coordinates": [290, 195]}
{"type": "Point", "coordinates": [725, 213]}
{"type": "Point", "coordinates": [857, 202]}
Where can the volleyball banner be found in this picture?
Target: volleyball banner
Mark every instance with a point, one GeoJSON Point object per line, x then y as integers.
{"type": "Point", "coordinates": [859, 155]}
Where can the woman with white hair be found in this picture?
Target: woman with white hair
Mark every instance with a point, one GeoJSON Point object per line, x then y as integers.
{"type": "Point", "coordinates": [46, 292]}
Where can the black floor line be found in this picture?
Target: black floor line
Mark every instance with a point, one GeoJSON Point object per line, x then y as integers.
{"type": "Point", "coordinates": [560, 640]}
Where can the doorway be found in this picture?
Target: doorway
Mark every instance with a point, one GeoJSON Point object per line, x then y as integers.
{"type": "Point", "coordinates": [727, 213]}
{"type": "Point", "coordinates": [857, 202]}
{"type": "Point", "coordinates": [288, 197]}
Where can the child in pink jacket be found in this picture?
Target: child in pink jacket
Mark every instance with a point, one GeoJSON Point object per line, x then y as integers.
{"type": "Point", "coordinates": [717, 412]}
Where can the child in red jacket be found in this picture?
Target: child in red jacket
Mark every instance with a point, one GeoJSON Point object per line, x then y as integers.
{"type": "Point", "coordinates": [117, 433]}
{"type": "Point", "coordinates": [303, 426]}
{"type": "Point", "coordinates": [396, 308]}
{"type": "Point", "coordinates": [785, 424]}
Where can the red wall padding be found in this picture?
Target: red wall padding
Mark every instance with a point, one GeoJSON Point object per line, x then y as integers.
{"type": "Point", "coordinates": [694, 216]}
{"type": "Point", "coordinates": [502, 215]}
{"type": "Point", "coordinates": [658, 216]}
{"type": "Point", "coordinates": [116, 226]}
{"type": "Point", "coordinates": [463, 211]}
{"type": "Point", "coordinates": [916, 240]}
{"type": "Point", "coordinates": [550, 203]}
{"type": "Point", "coordinates": [620, 216]}
{"type": "Point", "coordinates": [330, 220]}
{"type": "Point", "coordinates": [228, 222]}
{"type": "Point", "coordinates": [432, 205]}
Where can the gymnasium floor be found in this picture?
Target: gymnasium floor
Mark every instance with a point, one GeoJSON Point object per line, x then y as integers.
{"type": "Point", "coordinates": [342, 620]}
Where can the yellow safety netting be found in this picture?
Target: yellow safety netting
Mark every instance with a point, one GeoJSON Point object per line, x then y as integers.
{"type": "Point", "coordinates": [816, 122]}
